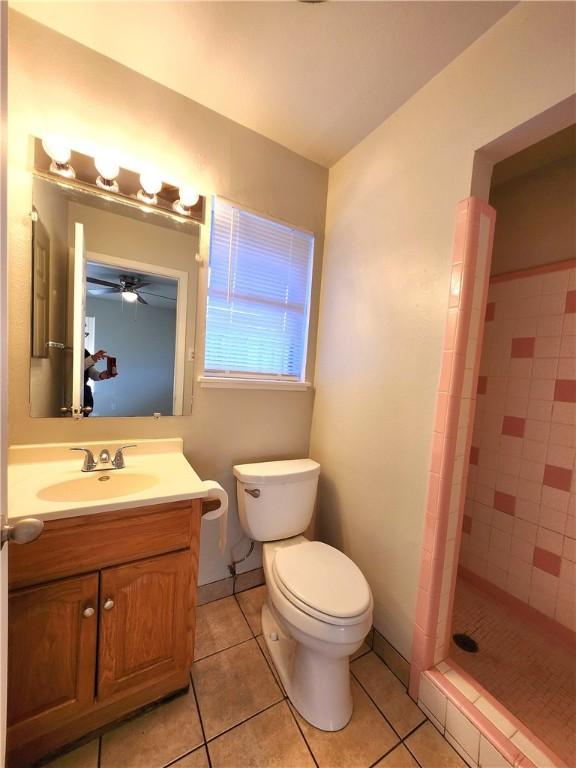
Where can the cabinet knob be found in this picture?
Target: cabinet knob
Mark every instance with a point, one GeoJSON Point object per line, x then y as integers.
{"type": "Point", "coordinates": [108, 604]}
{"type": "Point", "coordinates": [87, 612]}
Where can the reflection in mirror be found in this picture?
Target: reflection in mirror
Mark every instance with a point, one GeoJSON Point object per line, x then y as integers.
{"type": "Point", "coordinates": [132, 318]}
{"type": "Point", "coordinates": [113, 307]}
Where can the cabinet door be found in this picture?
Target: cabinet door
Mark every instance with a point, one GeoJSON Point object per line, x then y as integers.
{"type": "Point", "coordinates": [52, 632]}
{"type": "Point", "coordinates": [144, 622]}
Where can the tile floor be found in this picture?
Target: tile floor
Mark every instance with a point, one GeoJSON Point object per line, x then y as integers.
{"type": "Point", "coordinates": [236, 715]}
{"type": "Point", "coordinates": [530, 674]}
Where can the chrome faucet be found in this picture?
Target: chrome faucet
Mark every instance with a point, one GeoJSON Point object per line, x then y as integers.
{"type": "Point", "coordinates": [118, 460]}
{"type": "Point", "coordinates": [89, 460]}
{"type": "Point", "coordinates": [92, 465]}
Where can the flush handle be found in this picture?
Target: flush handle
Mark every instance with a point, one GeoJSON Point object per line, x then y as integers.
{"type": "Point", "coordinates": [108, 604]}
{"type": "Point", "coordinates": [254, 492]}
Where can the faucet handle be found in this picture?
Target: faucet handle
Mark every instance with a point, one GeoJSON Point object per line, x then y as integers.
{"type": "Point", "coordinates": [89, 462]}
{"type": "Point", "coordinates": [118, 460]}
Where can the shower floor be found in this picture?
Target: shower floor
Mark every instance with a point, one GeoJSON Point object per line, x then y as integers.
{"type": "Point", "coordinates": [529, 672]}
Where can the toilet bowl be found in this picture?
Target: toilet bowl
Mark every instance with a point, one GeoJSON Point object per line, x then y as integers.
{"type": "Point", "coordinates": [319, 607]}
{"type": "Point", "coordinates": [311, 647]}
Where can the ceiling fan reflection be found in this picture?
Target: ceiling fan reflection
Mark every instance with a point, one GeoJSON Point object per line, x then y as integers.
{"type": "Point", "coordinates": [127, 286]}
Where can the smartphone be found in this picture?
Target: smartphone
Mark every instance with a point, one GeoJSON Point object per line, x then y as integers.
{"type": "Point", "coordinates": [111, 366]}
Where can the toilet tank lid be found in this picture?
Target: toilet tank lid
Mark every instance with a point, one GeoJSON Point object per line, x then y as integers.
{"type": "Point", "coordinates": [276, 471]}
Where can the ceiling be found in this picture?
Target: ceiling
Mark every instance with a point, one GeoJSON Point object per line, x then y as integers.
{"type": "Point", "coordinates": [315, 77]}
{"type": "Point", "coordinates": [159, 292]}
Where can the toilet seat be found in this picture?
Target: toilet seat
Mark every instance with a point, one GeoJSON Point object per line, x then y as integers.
{"type": "Point", "coordinates": [322, 582]}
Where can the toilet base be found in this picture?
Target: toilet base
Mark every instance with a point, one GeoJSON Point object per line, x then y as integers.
{"type": "Point", "coordinates": [317, 685]}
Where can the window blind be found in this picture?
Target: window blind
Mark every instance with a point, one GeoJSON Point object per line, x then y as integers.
{"type": "Point", "coordinates": [258, 296]}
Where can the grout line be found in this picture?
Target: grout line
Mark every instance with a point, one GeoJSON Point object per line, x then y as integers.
{"type": "Point", "coordinates": [197, 702]}
{"type": "Point", "coordinates": [232, 727]}
{"type": "Point", "coordinates": [382, 756]}
{"type": "Point", "coordinates": [272, 669]}
{"type": "Point", "coordinates": [186, 754]}
{"type": "Point", "coordinates": [302, 733]}
{"type": "Point", "coordinates": [234, 645]}
{"type": "Point", "coordinates": [416, 728]}
{"type": "Point", "coordinates": [376, 705]}
{"type": "Point", "coordinates": [414, 731]}
{"type": "Point", "coordinates": [244, 615]}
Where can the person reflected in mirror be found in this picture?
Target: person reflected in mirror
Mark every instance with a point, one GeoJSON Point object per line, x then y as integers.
{"type": "Point", "coordinates": [91, 372]}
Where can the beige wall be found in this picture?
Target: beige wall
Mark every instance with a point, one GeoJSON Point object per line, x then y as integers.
{"type": "Point", "coordinates": [536, 217]}
{"type": "Point", "coordinates": [389, 228]}
{"type": "Point", "coordinates": [59, 86]}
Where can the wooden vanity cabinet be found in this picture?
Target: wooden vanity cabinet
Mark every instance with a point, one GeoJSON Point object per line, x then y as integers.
{"type": "Point", "coordinates": [99, 629]}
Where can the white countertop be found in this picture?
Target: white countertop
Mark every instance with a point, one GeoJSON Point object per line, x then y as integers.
{"type": "Point", "coordinates": [34, 470]}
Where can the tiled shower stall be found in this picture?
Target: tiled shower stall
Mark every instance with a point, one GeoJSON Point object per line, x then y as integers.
{"type": "Point", "coordinates": [519, 525]}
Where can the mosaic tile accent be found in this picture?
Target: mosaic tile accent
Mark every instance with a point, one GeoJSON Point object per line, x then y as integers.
{"type": "Point", "coordinates": [525, 666]}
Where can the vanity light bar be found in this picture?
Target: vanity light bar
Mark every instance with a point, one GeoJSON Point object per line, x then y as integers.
{"type": "Point", "coordinates": [53, 157]}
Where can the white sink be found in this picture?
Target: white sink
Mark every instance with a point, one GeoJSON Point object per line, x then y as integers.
{"type": "Point", "coordinates": [47, 482]}
{"type": "Point", "coordinates": [93, 486]}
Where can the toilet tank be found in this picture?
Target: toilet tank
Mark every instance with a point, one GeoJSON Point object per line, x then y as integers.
{"type": "Point", "coordinates": [276, 498]}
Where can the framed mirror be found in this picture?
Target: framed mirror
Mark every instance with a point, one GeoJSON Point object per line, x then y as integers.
{"type": "Point", "coordinates": [113, 306]}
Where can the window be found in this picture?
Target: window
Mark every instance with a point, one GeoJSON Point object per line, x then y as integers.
{"type": "Point", "coordinates": [258, 297]}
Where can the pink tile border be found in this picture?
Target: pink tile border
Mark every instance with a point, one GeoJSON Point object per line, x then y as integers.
{"type": "Point", "coordinates": [504, 745]}
{"type": "Point", "coordinates": [543, 269]}
{"type": "Point", "coordinates": [475, 220]}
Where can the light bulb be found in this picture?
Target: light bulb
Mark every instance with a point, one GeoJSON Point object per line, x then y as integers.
{"type": "Point", "coordinates": [58, 149]}
{"type": "Point", "coordinates": [188, 196]}
{"type": "Point", "coordinates": [130, 296]}
{"type": "Point", "coordinates": [108, 168]}
{"type": "Point", "coordinates": [151, 184]}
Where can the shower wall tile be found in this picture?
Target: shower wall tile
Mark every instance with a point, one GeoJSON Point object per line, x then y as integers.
{"type": "Point", "coordinates": [520, 509]}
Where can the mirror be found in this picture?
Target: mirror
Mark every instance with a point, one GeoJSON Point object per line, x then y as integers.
{"type": "Point", "coordinates": [113, 306]}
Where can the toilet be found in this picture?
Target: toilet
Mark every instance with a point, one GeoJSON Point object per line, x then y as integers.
{"type": "Point", "coordinates": [319, 607]}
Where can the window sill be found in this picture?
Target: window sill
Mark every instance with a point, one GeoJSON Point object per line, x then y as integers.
{"type": "Point", "coordinates": [216, 382]}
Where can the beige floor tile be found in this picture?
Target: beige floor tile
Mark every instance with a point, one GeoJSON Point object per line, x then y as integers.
{"type": "Point", "coordinates": [431, 750]}
{"type": "Point", "coordinates": [232, 686]}
{"type": "Point", "coordinates": [269, 740]}
{"type": "Point", "coordinates": [262, 643]}
{"type": "Point", "coordinates": [251, 603]}
{"type": "Point", "coordinates": [219, 625]}
{"type": "Point", "coordinates": [388, 693]}
{"type": "Point", "coordinates": [154, 738]}
{"type": "Point", "coordinates": [196, 759]}
{"type": "Point", "coordinates": [366, 737]}
{"type": "Point", "coordinates": [85, 756]}
{"type": "Point", "coordinates": [398, 758]}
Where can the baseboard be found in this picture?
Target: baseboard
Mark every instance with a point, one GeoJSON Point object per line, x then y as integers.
{"type": "Point", "coordinates": [391, 657]}
{"type": "Point", "coordinates": [216, 590]}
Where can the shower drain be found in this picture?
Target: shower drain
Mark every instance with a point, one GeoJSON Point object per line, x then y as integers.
{"type": "Point", "coordinates": [466, 642]}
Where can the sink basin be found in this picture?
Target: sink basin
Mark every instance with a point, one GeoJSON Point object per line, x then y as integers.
{"type": "Point", "coordinates": [94, 486]}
